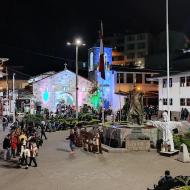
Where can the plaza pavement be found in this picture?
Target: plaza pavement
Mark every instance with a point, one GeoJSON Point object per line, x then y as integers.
{"type": "Point", "coordinates": [60, 170]}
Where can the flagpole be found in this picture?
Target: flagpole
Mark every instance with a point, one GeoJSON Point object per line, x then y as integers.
{"type": "Point", "coordinates": [103, 102]}
{"type": "Point", "coordinates": [168, 62]}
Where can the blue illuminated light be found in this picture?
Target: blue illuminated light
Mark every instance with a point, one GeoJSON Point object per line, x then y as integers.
{"type": "Point", "coordinates": [46, 95]}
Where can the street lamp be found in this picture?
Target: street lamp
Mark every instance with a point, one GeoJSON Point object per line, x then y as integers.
{"type": "Point", "coordinates": [77, 43]}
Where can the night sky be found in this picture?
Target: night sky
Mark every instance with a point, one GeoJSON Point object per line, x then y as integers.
{"type": "Point", "coordinates": [33, 33]}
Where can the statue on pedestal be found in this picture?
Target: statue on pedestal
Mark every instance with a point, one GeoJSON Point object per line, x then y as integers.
{"type": "Point", "coordinates": [136, 109]}
{"type": "Point", "coordinates": [167, 127]}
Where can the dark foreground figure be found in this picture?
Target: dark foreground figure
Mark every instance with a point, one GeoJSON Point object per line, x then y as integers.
{"type": "Point", "coordinates": [168, 182]}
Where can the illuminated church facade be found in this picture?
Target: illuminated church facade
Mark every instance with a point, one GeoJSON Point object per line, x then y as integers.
{"type": "Point", "coordinates": [61, 87]}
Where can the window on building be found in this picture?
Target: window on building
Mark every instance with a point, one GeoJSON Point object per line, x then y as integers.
{"type": "Point", "coordinates": [182, 81]}
{"type": "Point", "coordinates": [131, 56]}
{"type": "Point", "coordinates": [120, 77]}
{"type": "Point", "coordinates": [140, 36]}
{"type": "Point", "coordinates": [170, 83]}
{"type": "Point", "coordinates": [171, 101]}
{"type": "Point", "coordinates": [182, 101]}
{"type": "Point", "coordinates": [138, 78]}
{"type": "Point", "coordinates": [130, 37]}
{"type": "Point", "coordinates": [146, 77]}
{"type": "Point", "coordinates": [141, 45]}
{"type": "Point", "coordinates": [129, 78]}
{"type": "Point", "coordinates": [188, 81]}
{"type": "Point", "coordinates": [131, 46]}
{"type": "Point", "coordinates": [120, 41]}
{"type": "Point", "coordinates": [164, 82]}
{"type": "Point", "coordinates": [118, 58]}
{"type": "Point", "coordinates": [164, 101]}
{"type": "Point", "coordinates": [120, 48]}
{"type": "Point", "coordinates": [188, 101]}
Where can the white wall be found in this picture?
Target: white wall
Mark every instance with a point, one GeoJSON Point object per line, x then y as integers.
{"type": "Point", "coordinates": [176, 92]}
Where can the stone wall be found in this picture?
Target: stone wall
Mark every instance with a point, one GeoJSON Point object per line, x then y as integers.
{"type": "Point", "coordinates": [138, 145]}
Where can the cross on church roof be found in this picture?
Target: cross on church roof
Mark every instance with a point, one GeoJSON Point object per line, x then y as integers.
{"type": "Point", "coordinates": [65, 66]}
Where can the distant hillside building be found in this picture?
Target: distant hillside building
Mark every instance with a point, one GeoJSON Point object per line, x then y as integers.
{"type": "Point", "coordinates": [157, 58]}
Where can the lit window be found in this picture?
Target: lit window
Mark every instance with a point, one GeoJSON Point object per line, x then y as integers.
{"type": "Point", "coordinates": [83, 89]}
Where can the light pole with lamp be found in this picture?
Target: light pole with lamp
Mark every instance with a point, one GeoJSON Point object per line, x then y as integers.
{"type": "Point", "coordinates": [77, 43]}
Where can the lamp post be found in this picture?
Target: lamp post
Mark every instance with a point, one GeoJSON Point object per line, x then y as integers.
{"type": "Point", "coordinates": [14, 119]}
{"type": "Point", "coordinates": [77, 43]}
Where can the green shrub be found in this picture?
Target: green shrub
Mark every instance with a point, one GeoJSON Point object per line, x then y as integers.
{"type": "Point", "coordinates": [185, 188]}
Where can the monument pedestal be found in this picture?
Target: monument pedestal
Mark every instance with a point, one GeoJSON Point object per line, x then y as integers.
{"type": "Point", "coordinates": [168, 154]}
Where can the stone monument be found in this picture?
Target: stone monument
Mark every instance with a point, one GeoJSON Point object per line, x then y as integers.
{"type": "Point", "coordinates": [183, 154]}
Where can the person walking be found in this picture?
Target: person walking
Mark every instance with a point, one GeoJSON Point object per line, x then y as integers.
{"type": "Point", "coordinates": [33, 154]}
{"type": "Point", "coordinates": [6, 147]}
{"type": "Point", "coordinates": [43, 130]}
{"type": "Point", "coordinates": [71, 140]}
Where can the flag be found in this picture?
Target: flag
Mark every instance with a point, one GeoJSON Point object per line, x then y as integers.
{"type": "Point", "coordinates": [101, 61]}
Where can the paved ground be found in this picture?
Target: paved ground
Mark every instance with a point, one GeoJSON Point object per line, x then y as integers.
{"type": "Point", "coordinates": [59, 170]}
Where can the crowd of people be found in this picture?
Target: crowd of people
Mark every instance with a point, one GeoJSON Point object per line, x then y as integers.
{"type": "Point", "coordinates": [22, 143]}
{"type": "Point", "coordinates": [89, 140]}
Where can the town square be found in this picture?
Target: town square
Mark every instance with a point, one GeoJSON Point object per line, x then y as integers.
{"type": "Point", "coordinates": [92, 98]}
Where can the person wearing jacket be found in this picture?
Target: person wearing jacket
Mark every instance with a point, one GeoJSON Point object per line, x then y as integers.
{"type": "Point", "coordinates": [14, 142]}
{"type": "Point", "coordinates": [6, 147]}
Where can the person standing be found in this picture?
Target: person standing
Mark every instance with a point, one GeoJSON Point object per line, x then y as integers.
{"type": "Point", "coordinates": [98, 142]}
{"type": "Point", "coordinates": [5, 123]}
{"type": "Point", "coordinates": [25, 153]}
{"type": "Point", "coordinates": [6, 147]}
{"type": "Point", "coordinates": [33, 154]}
{"type": "Point", "coordinates": [14, 142]}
